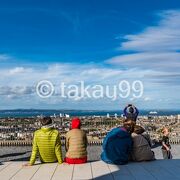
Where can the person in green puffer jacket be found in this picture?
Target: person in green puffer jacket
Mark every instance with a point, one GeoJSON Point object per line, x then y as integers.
{"type": "Point", "coordinates": [46, 144]}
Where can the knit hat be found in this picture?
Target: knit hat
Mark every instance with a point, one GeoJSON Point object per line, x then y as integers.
{"type": "Point", "coordinates": [76, 123]}
{"type": "Point", "coordinates": [131, 112]}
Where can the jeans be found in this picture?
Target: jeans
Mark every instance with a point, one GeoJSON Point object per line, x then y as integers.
{"type": "Point", "coordinates": [166, 154]}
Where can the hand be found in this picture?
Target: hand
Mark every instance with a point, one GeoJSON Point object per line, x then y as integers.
{"type": "Point", "coordinates": [65, 163]}
{"type": "Point", "coordinates": [167, 149]}
{"type": "Point", "coordinates": [27, 164]}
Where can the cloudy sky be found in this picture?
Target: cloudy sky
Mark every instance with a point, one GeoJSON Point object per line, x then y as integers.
{"type": "Point", "coordinates": [99, 42]}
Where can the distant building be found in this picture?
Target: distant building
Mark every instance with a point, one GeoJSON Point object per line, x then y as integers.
{"type": "Point", "coordinates": [67, 115]}
{"type": "Point", "coordinates": [115, 115]}
{"type": "Point", "coordinates": [178, 117]}
{"type": "Point", "coordinates": [108, 115]}
{"type": "Point", "coordinates": [153, 113]}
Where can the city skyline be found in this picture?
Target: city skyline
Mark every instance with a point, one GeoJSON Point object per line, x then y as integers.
{"type": "Point", "coordinates": [100, 43]}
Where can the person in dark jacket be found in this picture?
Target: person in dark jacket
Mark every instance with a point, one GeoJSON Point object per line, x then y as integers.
{"type": "Point", "coordinates": [131, 112]}
{"type": "Point", "coordinates": [117, 145]}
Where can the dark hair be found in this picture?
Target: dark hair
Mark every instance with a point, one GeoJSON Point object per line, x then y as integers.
{"type": "Point", "coordinates": [131, 112]}
{"type": "Point", "coordinates": [129, 125]}
{"type": "Point", "coordinates": [46, 120]}
{"type": "Point", "coordinates": [138, 129]}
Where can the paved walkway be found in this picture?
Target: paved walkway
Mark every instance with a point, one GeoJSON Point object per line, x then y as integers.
{"type": "Point", "coordinates": [98, 170]}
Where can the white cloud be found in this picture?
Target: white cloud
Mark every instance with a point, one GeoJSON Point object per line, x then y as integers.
{"type": "Point", "coordinates": [17, 80]}
{"type": "Point", "coordinates": [155, 54]}
{"type": "Point", "coordinates": [16, 90]}
{"type": "Point", "coordinates": [165, 36]}
{"type": "Point", "coordinates": [162, 61]}
{"type": "Point", "coordinates": [156, 48]}
{"type": "Point", "coordinates": [18, 70]}
{"type": "Point", "coordinates": [147, 99]}
{"type": "Point", "coordinates": [68, 73]}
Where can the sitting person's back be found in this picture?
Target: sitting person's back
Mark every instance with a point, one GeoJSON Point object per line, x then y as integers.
{"type": "Point", "coordinates": [141, 145]}
{"type": "Point", "coordinates": [117, 145]}
{"type": "Point", "coordinates": [46, 143]}
{"type": "Point", "coordinates": [76, 144]}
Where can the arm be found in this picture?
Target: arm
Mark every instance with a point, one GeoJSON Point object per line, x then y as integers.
{"type": "Point", "coordinates": [124, 111]}
{"type": "Point", "coordinates": [129, 150]}
{"type": "Point", "coordinates": [34, 151]}
{"type": "Point", "coordinates": [130, 145]}
{"type": "Point", "coordinates": [148, 138]}
{"type": "Point", "coordinates": [86, 140]}
{"type": "Point", "coordinates": [137, 111]}
{"type": "Point", "coordinates": [105, 141]}
{"type": "Point", "coordinates": [110, 135]}
{"type": "Point", "coordinates": [58, 150]}
{"type": "Point", "coordinates": [163, 144]}
{"type": "Point", "coordinates": [67, 143]}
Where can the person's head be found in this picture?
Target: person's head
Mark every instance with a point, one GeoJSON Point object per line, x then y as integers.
{"type": "Point", "coordinates": [138, 129]}
{"type": "Point", "coordinates": [46, 121]}
{"type": "Point", "coordinates": [131, 112]}
{"type": "Point", "coordinates": [76, 123]}
{"type": "Point", "coordinates": [165, 131]}
{"type": "Point", "coordinates": [129, 124]}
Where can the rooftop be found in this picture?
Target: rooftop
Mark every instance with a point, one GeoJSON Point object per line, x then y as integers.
{"type": "Point", "coordinates": [12, 159]}
{"type": "Point", "coordinates": [97, 170]}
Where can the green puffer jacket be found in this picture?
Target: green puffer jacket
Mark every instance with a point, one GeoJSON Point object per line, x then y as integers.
{"type": "Point", "coordinates": [47, 144]}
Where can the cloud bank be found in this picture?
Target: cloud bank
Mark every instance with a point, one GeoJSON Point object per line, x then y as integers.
{"type": "Point", "coordinates": [157, 47]}
{"type": "Point", "coordinates": [152, 56]}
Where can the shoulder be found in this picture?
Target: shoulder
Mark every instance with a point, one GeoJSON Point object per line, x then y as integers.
{"type": "Point", "coordinates": [69, 132]}
{"type": "Point", "coordinates": [146, 135]}
{"type": "Point", "coordinates": [137, 136]}
{"type": "Point", "coordinates": [164, 137]}
{"type": "Point", "coordinates": [115, 130]}
{"type": "Point", "coordinates": [37, 132]}
{"type": "Point", "coordinates": [112, 132]}
{"type": "Point", "coordinates": [134, 135]}
{"type": "Point", "coordinates": [74, 132]}
{"type": "Point", "coordinates": [119, 132]}
{"type": "Point", "coordinates": [55, 131]}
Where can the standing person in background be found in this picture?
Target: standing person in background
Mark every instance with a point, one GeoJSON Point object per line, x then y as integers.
{"type": "Point", "coordinates": [76, 144]}
{"type": "Point", "coordinates": [46, 144]}
{"type": "Point", "coordinates": [166, 145]}
{"type": "Point", "coordinates": [131, 112]}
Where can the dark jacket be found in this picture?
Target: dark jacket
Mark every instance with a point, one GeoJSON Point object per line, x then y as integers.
{"type": "Point", "coordinates": [117, 146]}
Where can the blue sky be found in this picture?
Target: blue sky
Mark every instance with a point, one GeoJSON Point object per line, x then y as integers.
{"type": "Point", "coordinates": [100, 42]}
